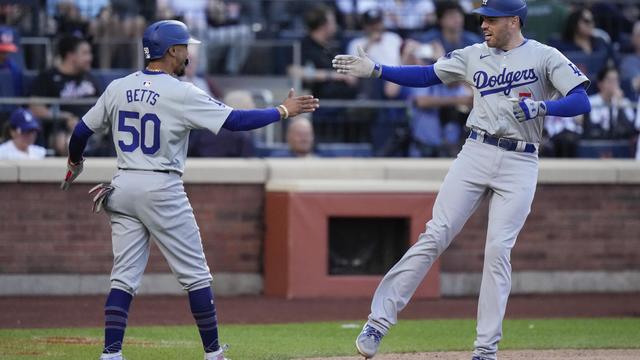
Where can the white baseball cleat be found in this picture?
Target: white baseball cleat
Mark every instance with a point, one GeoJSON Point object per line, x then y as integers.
{"type": "Point", "coordinates": [217, 355]}
{"type": "Point", "coordinates": [114, 356]}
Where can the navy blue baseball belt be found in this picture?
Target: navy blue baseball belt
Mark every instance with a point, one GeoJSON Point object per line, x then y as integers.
{"type": "Point", "coordinates": [153, 170]}
{"type": "Point", "coordinates": [504, 143]}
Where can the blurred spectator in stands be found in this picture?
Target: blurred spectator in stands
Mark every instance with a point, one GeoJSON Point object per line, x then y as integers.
{"type": "Point", "coordinates": [116, 32]}
{"type": "Point", "coordinates": [300, 139]}
{"type": "Point", "coordinates": [318, 49]}
{"type": "Point", "coordinates": [612, 116]}
{"type": "Point", "coordinates": [69, 19]}
{"type": "Point", "coordinates": [638, 129]}
{"type": "Point", "coordinates": [438, 112]}
{"type": "Point", "coordinates": [545, 19]}
{"type": "Point", "coordinates": [563, 135]}
{"type": "Point", "coordinates": [69, 79]}
{"type": "Point", "coordinates": [630, 66]}
{"type": "Point", "coordinates": [580, 44]}
{"type": "Point", "coordinates": [23, 131]}
{"type": "Point", "coordinates": [228, 34]}
{"type": "Point", "coordinates": [11, 84]}
{"type": "Point", "coordinates": [404, 16]}
{"type": "Point", "coordinates": [450, 33]}
{"type": "Point", "coordinates": [204, 143]}
{"type": "Point", "coordinates": [351, 10]}
{"type": "Point", "coordinates": [615, 17]}
{"type": "Point", "coordinates": [382, 46]}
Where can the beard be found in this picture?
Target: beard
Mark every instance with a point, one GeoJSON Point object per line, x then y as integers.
{"type": "Point", "coordinates": [181, 69]}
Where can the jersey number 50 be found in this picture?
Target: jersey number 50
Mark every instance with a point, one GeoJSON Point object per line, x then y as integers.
{"type": "Point", "coordinates": [148, 121]}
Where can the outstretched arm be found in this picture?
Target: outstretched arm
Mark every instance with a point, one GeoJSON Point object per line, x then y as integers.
{"type": "Point", "coordinates": [362, 66]}
{"type": "Point", "coordinates": [240, 120]}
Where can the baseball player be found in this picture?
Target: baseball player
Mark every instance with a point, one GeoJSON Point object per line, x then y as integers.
{"type": "Point", "coordinates": [516, 82]}
{"type": "Point", "coordinates": [151, 113]}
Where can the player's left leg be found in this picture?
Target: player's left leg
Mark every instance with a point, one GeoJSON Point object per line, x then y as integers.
{"type": "Point", "coordinates": [510, 203]}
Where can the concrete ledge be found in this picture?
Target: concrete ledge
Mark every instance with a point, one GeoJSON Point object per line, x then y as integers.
{"type": "Point", "coordinates": [225, 284]}
{"type": "Point", "coordinates": [261, 171]}
{"type": "Point", "coordinates": [54, 169]}
{"type": "Point", "coordinates": [577, 171]}
{"type": "Point", "coordinates": [417, 169]}
{"type": "Point", "coordinates": [353, 186]}
{"type": "Point", "coordinates": [545, 282]}
{"type": "Point", "coordinates": [8, 171]}
{"type": "Point", "coordinates": [295, 169]}
{"type": "Point", "coordinates": [225, 171]}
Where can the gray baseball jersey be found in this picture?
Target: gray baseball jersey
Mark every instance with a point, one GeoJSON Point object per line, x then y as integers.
{"type": "Point", "coordinates": [151, 115]}
{"type": "Point", "coordinates": [532, 70]}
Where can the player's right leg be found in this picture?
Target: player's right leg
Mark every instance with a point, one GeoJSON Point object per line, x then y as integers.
{"type": "Point", "coordinates": [461, 192]}
{"type": "Point", "coordinates": [130, 241]}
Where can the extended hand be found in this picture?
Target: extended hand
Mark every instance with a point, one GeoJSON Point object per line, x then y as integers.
{"type": "Point", "coordinates": [526, 109]}
{"type": "Point", "coordinates": [359, 66]}
{"type": "Point", "coordinates": [73, 170]}
{"type": "Point", "coordinates": [296, 105]}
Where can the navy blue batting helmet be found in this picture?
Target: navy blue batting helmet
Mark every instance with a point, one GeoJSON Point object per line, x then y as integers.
{"type": "Point", "coordinates": [498, 8]}
{"type": "Point", "coordinates": [162, 35]}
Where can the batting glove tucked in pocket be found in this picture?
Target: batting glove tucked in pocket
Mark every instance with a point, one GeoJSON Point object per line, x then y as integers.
{"type": "Point", "coordinates": [102, 192]}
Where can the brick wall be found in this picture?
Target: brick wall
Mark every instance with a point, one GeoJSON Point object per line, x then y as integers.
{"type": "Point", "coordinates": [45, 230]}
{"type": "Point", "coordinates": [571, 227]}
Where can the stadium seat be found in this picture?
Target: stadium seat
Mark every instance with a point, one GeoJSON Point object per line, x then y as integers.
{"type": "Point", "coordinates": [604, 149]}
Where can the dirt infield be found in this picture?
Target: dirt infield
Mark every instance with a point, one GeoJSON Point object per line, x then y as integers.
{"type": "Point", "coordinates": [513, 355]}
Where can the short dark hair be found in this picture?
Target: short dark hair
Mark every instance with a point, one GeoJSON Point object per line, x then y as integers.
{"type": "Point", "coordinates": [316, 17]}
{"type": "Point", "coordinates": [444, 6]}
{"type": "Point", "coordinates": [68, 44]}
{"type": "Point", "coordinates": [605, 71]}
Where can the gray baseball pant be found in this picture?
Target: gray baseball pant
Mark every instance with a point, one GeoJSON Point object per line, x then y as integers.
{"type": "Point", "coordinates": [148, 203]}
{"type": "Point", "coordinates": [509, 180]}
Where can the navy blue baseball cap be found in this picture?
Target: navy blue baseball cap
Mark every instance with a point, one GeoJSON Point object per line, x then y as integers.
{"type": "Point", "coordinates": [502, 8]}
{"type": "Point", "coordinates": [23, 120]}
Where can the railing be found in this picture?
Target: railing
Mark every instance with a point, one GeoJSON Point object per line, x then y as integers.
{"type": "Point", "coordinates": [273, 136]}
{"type": "Point", "coordinates": [270, 56]}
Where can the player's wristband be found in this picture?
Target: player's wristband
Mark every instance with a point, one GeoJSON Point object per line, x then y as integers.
{"type": "Point", "coordinates": [284, 114]}
{"type": "Point", "coordinates": [377, 71]}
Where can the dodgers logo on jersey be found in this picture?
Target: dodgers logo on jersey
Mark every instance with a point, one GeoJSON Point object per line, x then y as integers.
{"type": "Point", "coordinates": [505, 81]}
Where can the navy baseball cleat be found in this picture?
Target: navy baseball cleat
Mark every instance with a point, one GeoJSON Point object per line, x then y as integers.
{"type": "Point", "coordinates": [478, 358]}
{"type": "Point", "coordinates": [368, 341]}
